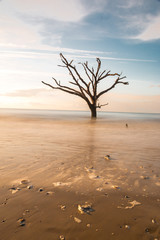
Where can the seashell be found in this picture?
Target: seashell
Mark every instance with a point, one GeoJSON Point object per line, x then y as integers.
{"type": "Point", "coordinates": [107, 157]}
{"type": "Point", "coordinates": [61, 237]}
{"type": "Point", "coordinates": [49, 193]}
{"type": "Point", "coordinates": [24, 181]}
{"type": "Point", "coordinates": [86, 208]}
{"type": "Point", "coordinates": [116, 187]}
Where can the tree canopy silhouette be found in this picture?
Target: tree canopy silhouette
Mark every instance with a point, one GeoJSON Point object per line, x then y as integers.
{"type": "Point", "coordinates": [87, 89]}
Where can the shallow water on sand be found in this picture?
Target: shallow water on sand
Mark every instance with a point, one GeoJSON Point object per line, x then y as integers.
{"type": "Point", "coordinates": [69, 151]}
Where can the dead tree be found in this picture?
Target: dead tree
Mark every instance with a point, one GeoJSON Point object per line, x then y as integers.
{"type": "Point", "coordinates": [87, 89]}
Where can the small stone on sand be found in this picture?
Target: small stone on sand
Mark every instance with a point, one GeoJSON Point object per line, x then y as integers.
{"type": "Point", "coordinates": [40, 190]}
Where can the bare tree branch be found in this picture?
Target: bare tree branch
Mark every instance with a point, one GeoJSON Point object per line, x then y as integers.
{"type": "Point", "coordinates": [87, 89]}
{"type": "Point", "coordinates": [113, 85]}
{"type": "Point", "coordinates": [98, 67]}
{"type": "Point", "coordinates": [101, 105]}
{"type": "Point", "coordinates": [60, 88]}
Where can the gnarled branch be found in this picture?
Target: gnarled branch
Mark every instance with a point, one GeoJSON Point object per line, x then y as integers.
{"type": "Point", "coordinates": [87, 89]}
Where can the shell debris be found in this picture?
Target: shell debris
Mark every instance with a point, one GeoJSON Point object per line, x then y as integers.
{"type": "Point", "coordinates": [21, 222]}
{"type": "Point", "coordinates": [107, 157]}
{"type": "Point", "coordinates": [133, 204]}
{"type": "Point", "coordinates": [86, 208]}
{"type": "Point", "coordinates": [77, 220]}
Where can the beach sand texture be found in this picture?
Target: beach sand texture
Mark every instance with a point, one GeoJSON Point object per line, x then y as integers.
{"type": "Point", "coordinates": [49, 167]}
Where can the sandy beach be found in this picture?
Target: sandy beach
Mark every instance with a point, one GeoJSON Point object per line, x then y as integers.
{"type": "Point", "coordinates": [77, 179]}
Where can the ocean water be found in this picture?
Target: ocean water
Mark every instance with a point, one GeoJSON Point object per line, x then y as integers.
{"type": "Point", "coordinates": [67, 147]}
{"type": "Point", "coordinates": [81, 115]}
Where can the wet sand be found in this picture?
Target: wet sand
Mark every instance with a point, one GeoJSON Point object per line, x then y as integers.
{"type": "Point", "coordinates": [63, 165]}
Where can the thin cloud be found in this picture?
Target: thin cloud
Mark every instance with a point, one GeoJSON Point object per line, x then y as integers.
{"type": "Point", "coordinates": [152, 31]}
{"type": "Point", "coordinates": [71, 53]}
{"type": "Point", "coordinates": [60, 10]}
{"type": "Point", "coordinates": [130, 4]}
{"type": "Point", "coordinates": [155, 86]}
{"type": "Point", "coordinates": [42, 49]}
{"type": "Point", "coordinates": [26, 93]}
{"type": "Point", "coordinates": [53, 21]}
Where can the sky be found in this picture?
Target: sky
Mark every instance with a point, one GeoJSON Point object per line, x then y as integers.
{"type": "Point", "coordinates": [124, 34]}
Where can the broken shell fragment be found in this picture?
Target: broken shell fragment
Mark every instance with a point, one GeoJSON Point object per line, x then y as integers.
{"type": "Point", "coordinates": [127, 226]}
{"type": "Point", "coordinates": [24, 181]}
{"type": "Point", "coordinates": [77, 220]}
{"type": "Point", "coordinates": [144, 177]}
{"type": "Point", "coordinates": [61, 237]}
{"type": "Point", "coordinates": [49, 193]}
{"type": "Point", "coordinates": [107, 157]}
{"type": "Point", "coordinates": [14, 190]}
{"type": "Point", "coordinates": [99, 189]}
{"type": "Point", "coordinates": [116, 187]}
{"type": "Point", "coordinates": [153, 221]}
{"type": "Point", "coordinates": [86, 208]}
{"type": "Point", "coordinates": [21, 222]}
{"type": "Point", "coordinates": [63, 207]}
{"type": "Point", "coordinates": [133, 204]}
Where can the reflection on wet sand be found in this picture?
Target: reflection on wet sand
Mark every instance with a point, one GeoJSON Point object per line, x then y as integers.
{"type": "Point", "coordinates": [45, 164]}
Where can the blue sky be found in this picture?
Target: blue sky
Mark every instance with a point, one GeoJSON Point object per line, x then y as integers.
{"type": "Point", "coordinates": [124, 34]}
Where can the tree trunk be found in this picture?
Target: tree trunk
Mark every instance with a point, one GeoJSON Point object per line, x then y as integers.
{"type": "Point", "coordinates": [93, 111]}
